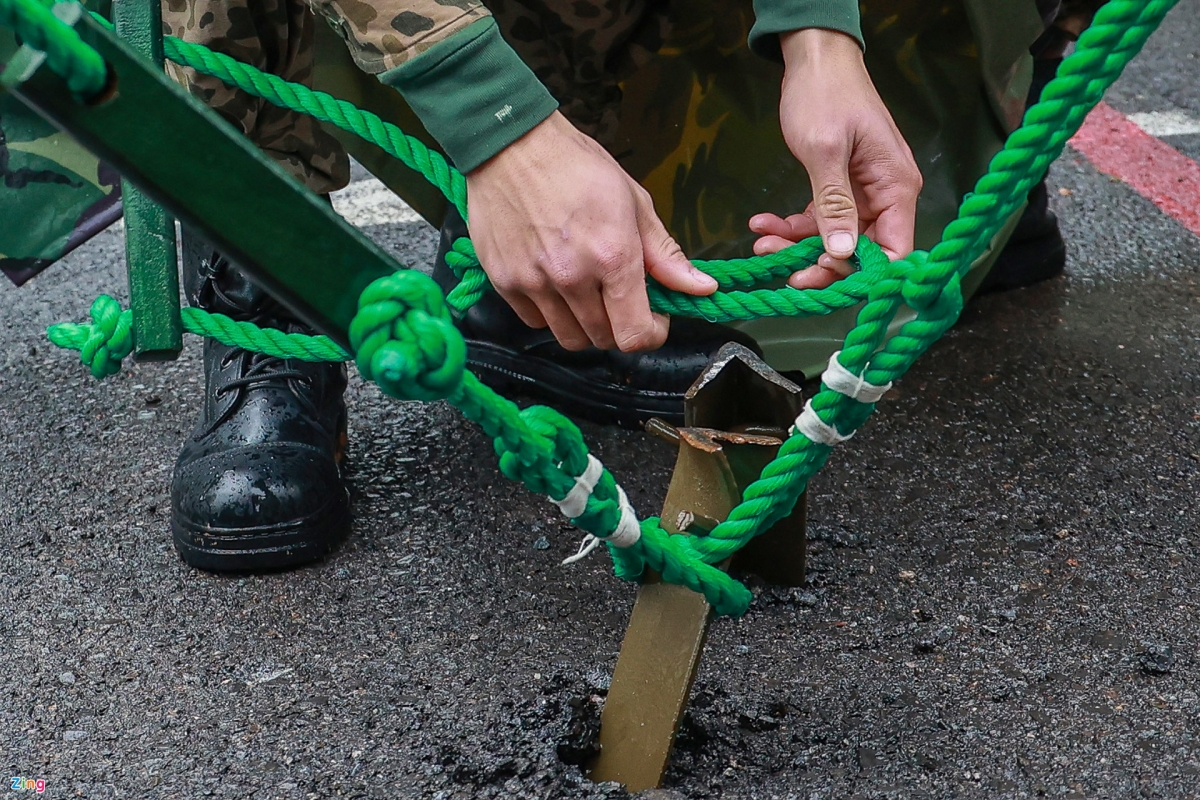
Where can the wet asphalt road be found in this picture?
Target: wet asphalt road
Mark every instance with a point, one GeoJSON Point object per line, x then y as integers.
{"type": "Point", "coordinates": [997, 562]}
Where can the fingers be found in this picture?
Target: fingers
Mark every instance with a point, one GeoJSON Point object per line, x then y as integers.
{"type": "Point", "coordinates": [634, 326]}
{"type": "Point", "coordinates": [817, 276]}
{"type": "Point", "coordinates": [541, 308]}
{"type": "Point", "coordinates": [834, 208]}
{"type": "Point", "coordinates": [581, 291]}
{"type": "Point", "coordinates": [771, 244]}
{"type": "Point", "coordinates": [662, 256]}
{"type": "Point", "coordinates": [794, 228]}
{"type": "Point", "coordinates": [895, 226]}
{"type": "Point", "coordinates": [563, 323]}
{"type": "Point", "coordinates": [780, 233]}
{"type": "Point", "coordinates": [525, 308]}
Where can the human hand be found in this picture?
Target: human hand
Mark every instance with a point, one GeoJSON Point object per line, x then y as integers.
{"type": "Point", "coordinates": [567, 237]}
{"type": "Point", "coordinates": [864, 178]}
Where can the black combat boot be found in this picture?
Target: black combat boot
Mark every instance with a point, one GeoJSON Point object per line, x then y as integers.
{"type": "Point", "coordinates": [605, 386]}
{"type": "Point", "coordinates": [258, 484]}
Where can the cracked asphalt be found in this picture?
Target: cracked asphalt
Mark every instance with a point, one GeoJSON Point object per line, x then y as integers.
{"type": "Point", "coordinates": [1003, 568]}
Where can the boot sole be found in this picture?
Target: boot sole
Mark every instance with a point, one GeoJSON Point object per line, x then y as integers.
{"type": "Point", "coordinates": [263, 549]}
{"type": "Point", "coordinates": [273, 547]}
{"type": "Point", "coordinates": [509, 373]}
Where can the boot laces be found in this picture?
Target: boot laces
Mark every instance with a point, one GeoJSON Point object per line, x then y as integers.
{"type": "Point", "coordinates": [259, 370]}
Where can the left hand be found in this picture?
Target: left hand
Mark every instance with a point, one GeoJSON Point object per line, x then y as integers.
{"type": "Point", "coordinates": [864, 177]}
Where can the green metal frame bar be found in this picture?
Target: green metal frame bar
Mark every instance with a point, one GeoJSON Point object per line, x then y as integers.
{"type": "Point", "coordinates": [150, 257]}
{"type": "Point", "coordinates": [184, 157]}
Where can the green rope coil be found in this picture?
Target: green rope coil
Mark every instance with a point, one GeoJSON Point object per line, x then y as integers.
{"type": "Point", "coordinates": [405, 340]}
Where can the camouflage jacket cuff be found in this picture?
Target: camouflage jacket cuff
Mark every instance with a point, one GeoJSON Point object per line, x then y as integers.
{"type": "Point", "coordinates": [473, 93]}
{"type": "Point", "coordinates": [773, 17]}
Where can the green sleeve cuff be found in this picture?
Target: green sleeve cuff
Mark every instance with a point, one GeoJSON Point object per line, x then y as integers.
{"type": "Point", "coordinates": [473, 93]}
{"type": "Point", "coordinates": [773, 17]}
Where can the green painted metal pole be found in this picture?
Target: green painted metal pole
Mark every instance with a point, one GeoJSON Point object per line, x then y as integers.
{"type": "Point", "coordinates": [150, 256]}
{"type": "Point", "coordinates": [211, 178]}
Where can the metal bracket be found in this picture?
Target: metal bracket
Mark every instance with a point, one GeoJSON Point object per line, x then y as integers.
{"type": "Point", "coordinates": [736, 416]}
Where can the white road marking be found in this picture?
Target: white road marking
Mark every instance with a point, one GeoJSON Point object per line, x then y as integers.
{"type": "Point", "coordinates": [369, 202]}
{"type": "Point", "coordinates": [1166, 123]}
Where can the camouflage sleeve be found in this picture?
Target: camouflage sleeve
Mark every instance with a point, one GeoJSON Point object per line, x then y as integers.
{"type": "Point", "coordinates": [773, 17]}
{"type": "Point", "coordinates": [473, 93]}
{"type": "Point", "coordinates": [383, 34]}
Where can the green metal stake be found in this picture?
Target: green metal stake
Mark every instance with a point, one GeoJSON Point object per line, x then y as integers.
{"type": "Point", "coordinates": [149, 230]}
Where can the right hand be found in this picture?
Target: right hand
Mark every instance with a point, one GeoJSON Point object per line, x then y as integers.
{"type": "Point", "coordinates": [567, 237]}
{"type": "Point", "coordinates": [863, 175]}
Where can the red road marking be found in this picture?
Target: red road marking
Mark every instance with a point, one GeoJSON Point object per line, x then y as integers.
{"type": "Point", "coordinates": [1154, 169]}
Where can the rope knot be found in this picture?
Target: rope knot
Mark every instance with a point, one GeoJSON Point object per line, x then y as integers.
{"type": "Point", "coordinates": [472, 280]}
{"type": "Point", "coordinates": [921, 286]}
{"type": "Point", "coordinates": [557, 453]}
{"type": "Point", "coordinates": [461, 256]}
{"type": "Point", "coordinates": [404, 339]}
{"type": "Point", "coordinates": [103, 343]}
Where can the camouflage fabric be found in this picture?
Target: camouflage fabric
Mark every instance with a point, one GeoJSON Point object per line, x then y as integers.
{"type": "Point", "coordinates": [670, 87]}
{"type": "Point", "coordinates": [583, 50]}
{"type": "Point", "coordinates": [382, 34]}
{"type": "Point", "coordinates": [54, 194]}
{"type": "Point", "coordinates": [580, 50]}
{"type": "Point", "coordinates": [699, 127]}
{"type": "Point", "coordinates": [275, 36]}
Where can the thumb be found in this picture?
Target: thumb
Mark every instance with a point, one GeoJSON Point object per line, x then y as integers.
{"type": "Point", "coordinates": [834, 207]}
{"type": "Point", "coordinates": [663, 257]}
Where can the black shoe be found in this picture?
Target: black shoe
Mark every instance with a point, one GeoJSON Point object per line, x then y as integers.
{"type": "Point", "coordinates": [605, 386]}
{"type": "Point", "coordinates": [258, 484]}
{"type": "Point", "coordinates": [1036, 251]}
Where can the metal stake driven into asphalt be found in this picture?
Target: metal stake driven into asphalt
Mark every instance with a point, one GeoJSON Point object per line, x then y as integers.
{"type": "Point", "coordinates": [736, 416]}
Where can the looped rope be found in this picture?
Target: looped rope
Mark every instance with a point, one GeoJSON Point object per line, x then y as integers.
{"type": "Point", "coordinates": [922, 285]}
{"type": "Point", "coordinates": [103, 343]}
{"type": "Point", "coordinates": [404, 339]}
{"type": "Point", "coordinates": [461, 256]}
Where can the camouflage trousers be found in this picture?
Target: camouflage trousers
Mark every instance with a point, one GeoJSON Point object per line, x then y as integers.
{"type": "Point", "coordinates": [580, 49]}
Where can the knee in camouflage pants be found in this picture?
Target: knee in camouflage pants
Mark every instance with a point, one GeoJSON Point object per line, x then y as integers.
{"type": "Point", "coordinates": [580, 59]}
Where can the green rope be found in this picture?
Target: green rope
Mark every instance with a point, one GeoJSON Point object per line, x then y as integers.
{"type": "Point", "coordinates": [930, 281]}
{"type": "Point", "coordinates": [404, 338]}
{"type": "Point", "coordinates": [66, 54]}
{"type": "Point", "coordinates": [108, 338]}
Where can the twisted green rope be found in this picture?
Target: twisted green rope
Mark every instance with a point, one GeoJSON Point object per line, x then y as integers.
{"type": "Point", "coordinates": [108, 338]}
{"type": "Point", "coordinates": [66, 54]}
{"type": "Point", "coordinates": [404, 338]}
{"type": "Point", "coordinates": [930, 280]}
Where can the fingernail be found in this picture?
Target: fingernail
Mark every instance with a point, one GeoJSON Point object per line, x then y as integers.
{"type": "Point", "coordinates": [841, 242]}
